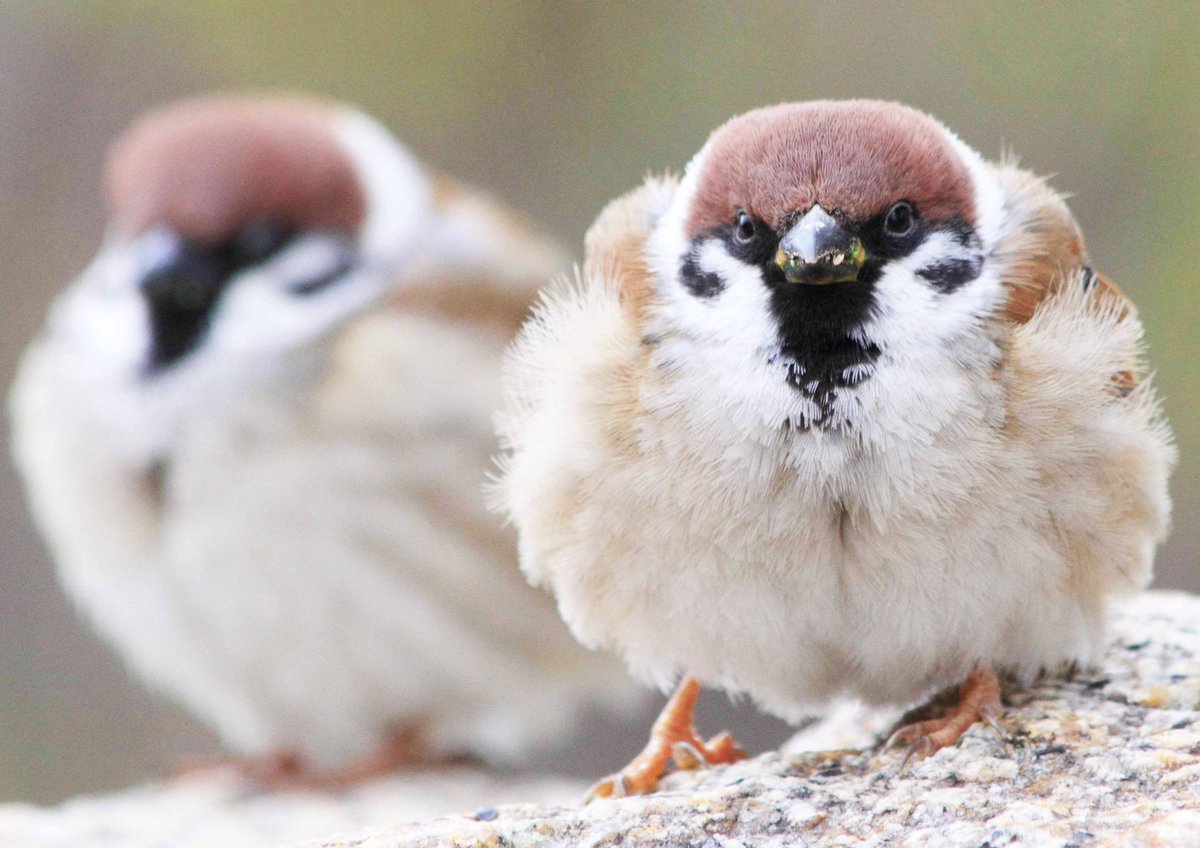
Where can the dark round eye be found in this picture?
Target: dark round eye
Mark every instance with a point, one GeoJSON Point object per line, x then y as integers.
{"type": "Point", "coordinates": [743, 227]}
{"type": "Point", "coordinates": [900, 219]}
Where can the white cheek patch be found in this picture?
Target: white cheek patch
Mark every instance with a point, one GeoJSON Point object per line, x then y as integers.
{"type": "Point", "coordinates": [743, 314]}
{"type": "Point", "coordinates": [259, 313]}
{"type": "Point", "coordinates": [105, 313]}
{"type": "Point", "coordinates": [915, 321]}
{"type": "Point", "coordinates": [724, 349]}
{"type": "Point", "coordinates": [737, 313]}
{"type": "Point", "coordinates": [311, 257]}
{"type": "Point", "coordinates": [258, 334]}
{"type": "Point", "coordinates": [912, 313]}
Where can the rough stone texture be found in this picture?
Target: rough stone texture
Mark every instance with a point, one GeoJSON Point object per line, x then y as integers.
{"type": "Point", "coordinates": [217, 809]}
{"type": "Point", "coordinates": [1110, 758]}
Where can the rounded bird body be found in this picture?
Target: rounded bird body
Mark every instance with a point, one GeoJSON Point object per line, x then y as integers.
{"type": "Point", "coordinates": [256, 444]}
{"type": "Point", "coordinates": [843, 411]}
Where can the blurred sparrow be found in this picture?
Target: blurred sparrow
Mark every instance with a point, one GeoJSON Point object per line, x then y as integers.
{"type": "Point", "coordinates": [844, 411]}
{"type": "Point", "coordinates": [254, 433]}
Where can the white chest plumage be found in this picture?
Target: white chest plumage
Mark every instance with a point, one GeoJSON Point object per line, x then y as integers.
{"type": "Point", "coordinates": [835, 560]}
{"type": "Point", "coordinates": [312, 574]}
{"type": "Point", "coordinates": [965, 511]}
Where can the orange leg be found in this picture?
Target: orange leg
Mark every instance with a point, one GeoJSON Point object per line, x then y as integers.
{"type": "Point", "coordinates": [288, 771]}
{"type": "Point", "coordinates": [266, 770]}
{"type": "Point", "coordinates": [978, 700]}
{"type": "Point", "coordinates": [673, 737]}
{"type": "Point", "coordinates": [403, 749]}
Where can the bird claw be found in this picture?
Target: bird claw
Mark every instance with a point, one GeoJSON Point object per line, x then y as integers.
{"type": "Point", "coordinates": [921, 747]}
{"type": "Point", "coordinates": [673, 738]}
{"type": "Point", "coordinates": [989, 718]}
{"type": "Point", "coordinates": [979, 700]}
{"type": "Point", "coordinates": [719, 750]}
{"type": "Point", "coordinates": [910, 733]}
{"type": "Point", "coordinates": [723, 749]}
{"type": "Point", "coordinates": [609, 787]}
{"type": "Point", "coordinates": [614, 786]}
{"type": "Point", "coordinates": [687, 756]}
{"type": "Point", "coordinates": [894, 739]}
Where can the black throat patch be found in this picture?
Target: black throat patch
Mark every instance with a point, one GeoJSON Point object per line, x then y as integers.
{"type": "Point", "coordinates": [819, 347]}
{"type": "Point", "coordinates": [821, 350]}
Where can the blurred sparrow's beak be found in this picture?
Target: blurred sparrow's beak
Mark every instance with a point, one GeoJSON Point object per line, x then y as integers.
{"type": "Point", "coordinates": [817, 251]}
{"type": "Point", "coordinates": [180, 283]}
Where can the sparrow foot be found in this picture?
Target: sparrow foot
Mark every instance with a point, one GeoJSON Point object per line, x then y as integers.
{"type": "Point", "coordinates": [673, 738]}
{"type": "Point", "coordinates": [268, 770]}
{"type": "Point", "coordinates": [978, 700]}
{"type": "Point", "coordinates": [403, 749]}
{"type": "Point", "coordinates": [287, 771]}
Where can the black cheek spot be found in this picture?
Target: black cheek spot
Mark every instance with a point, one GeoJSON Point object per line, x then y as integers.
{"type": "Point", "coordinates": [705, 284]}
{"type": "Point", "coordinates": [323, 281]}
{"type": "Point", "coordinates": [947, 275]}
{"type": "Point", "coordinates": [953, 272]}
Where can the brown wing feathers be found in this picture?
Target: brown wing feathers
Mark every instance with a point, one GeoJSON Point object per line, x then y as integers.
{"type": "Point", "coordinates": [1045, 251]}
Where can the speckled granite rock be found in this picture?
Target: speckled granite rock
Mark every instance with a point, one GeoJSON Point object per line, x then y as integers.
{"type": "Point", "coordinates": [1111, 758]}
{"type": "Point", "coordinates": [217, 809]}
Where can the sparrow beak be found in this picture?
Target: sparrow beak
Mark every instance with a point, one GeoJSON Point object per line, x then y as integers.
{"type": "Point", "coordinates": [817, 251]}
{"type": "Point", "coordinates": [177, 275]}
{"type": "Point", "coordinates": [180, 283]}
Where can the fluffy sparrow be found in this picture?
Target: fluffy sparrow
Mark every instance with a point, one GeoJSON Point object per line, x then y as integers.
{"type": "Point", "coordinates": [845, 411]}
{"type": "Point", "coordinates": [254, 433]}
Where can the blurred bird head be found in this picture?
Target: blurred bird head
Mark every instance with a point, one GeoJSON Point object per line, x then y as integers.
{"type": "Point", "coordinates": [242, 227]}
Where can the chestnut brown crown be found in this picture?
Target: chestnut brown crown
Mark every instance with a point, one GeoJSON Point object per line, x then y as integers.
{"type": "Point", "coordinates": [854, 158]}
{"type": "Point", "coordinates": [204, 168]}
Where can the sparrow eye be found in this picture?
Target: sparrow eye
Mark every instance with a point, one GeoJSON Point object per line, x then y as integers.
{"type": "Point", "coordinates": [744, 230]}
{"type": "Point", "coordinates": [900, 219]}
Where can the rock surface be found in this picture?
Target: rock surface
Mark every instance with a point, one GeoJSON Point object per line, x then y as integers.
{"type": "Point", "coordinates": [217, 809]}
{"type": "Point", "coordinates": [1110, 758]}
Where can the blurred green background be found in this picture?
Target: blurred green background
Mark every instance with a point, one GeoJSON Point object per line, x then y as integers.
{"type": "Point", "coordinates": [558, 107]}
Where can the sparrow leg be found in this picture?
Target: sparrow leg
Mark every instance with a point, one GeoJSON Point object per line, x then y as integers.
{"type": "Point", "coordinates": [978, 700]}
{"type": "Point", "coordinates": [268, 770]}
{"type": "Point", "coordinates": [673, 737]}
{"type": "Point", "coordinates": [403, 749]}
{"type": "Point", "coordinates": [285, 770]}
